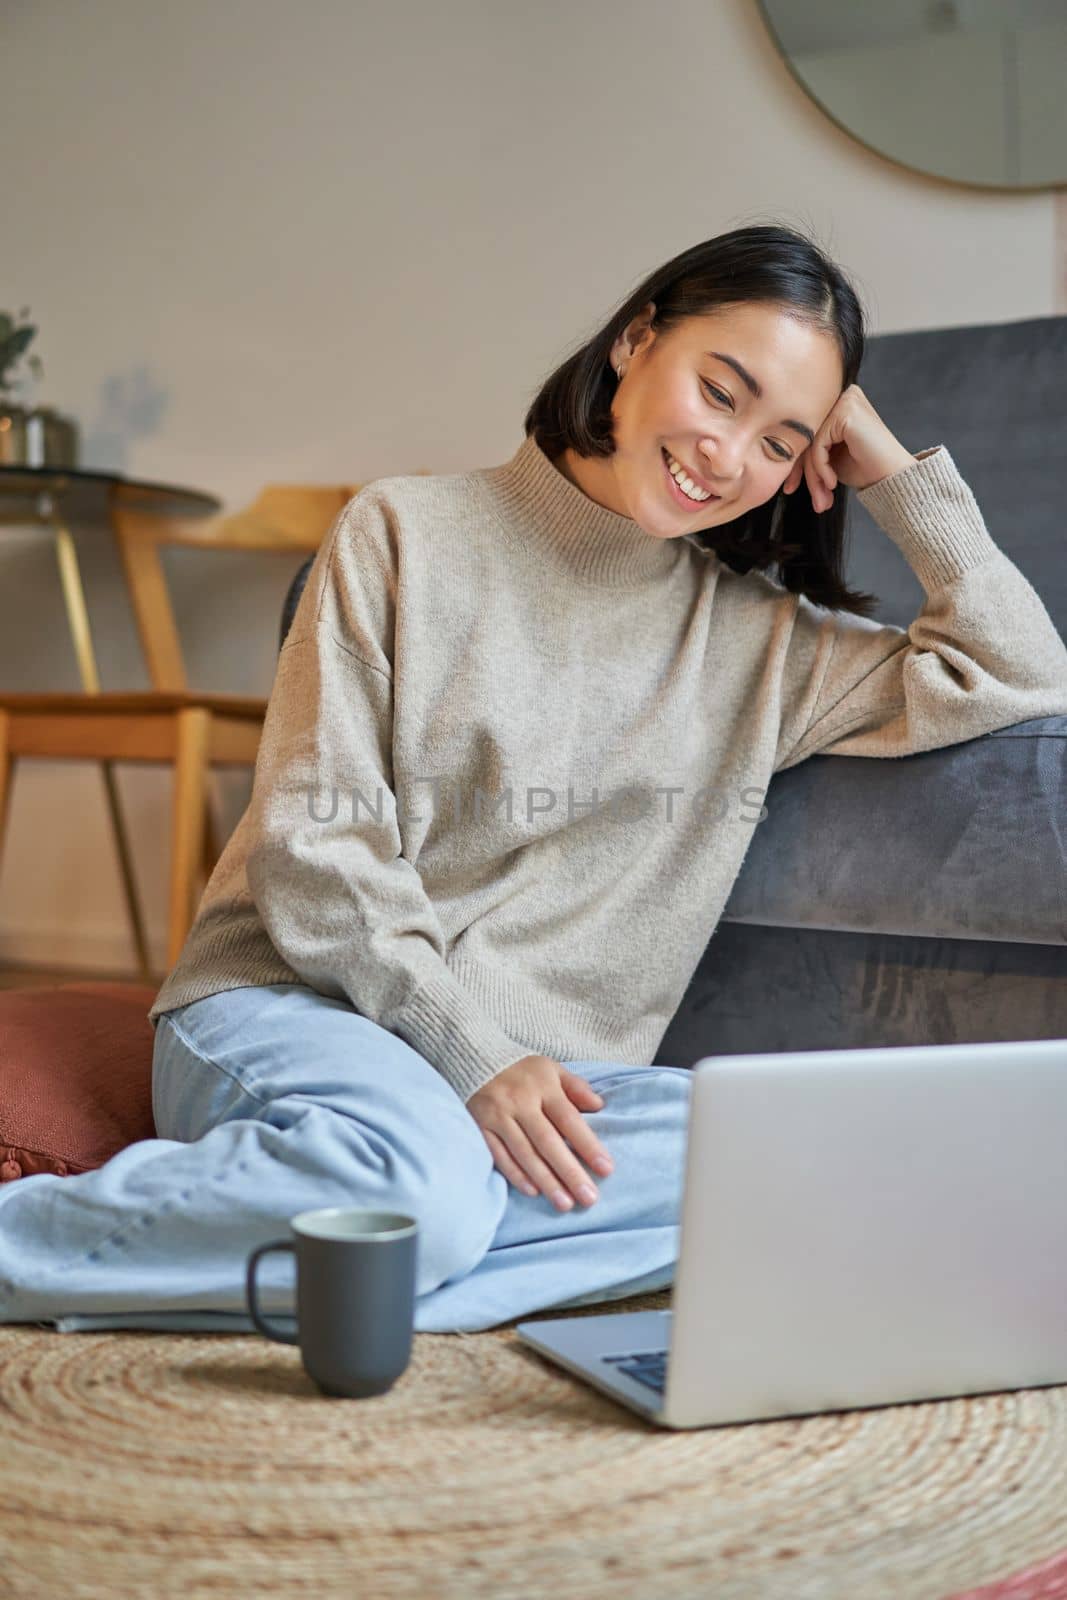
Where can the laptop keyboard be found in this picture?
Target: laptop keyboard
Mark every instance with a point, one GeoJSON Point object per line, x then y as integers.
{"type": "Point", "coordinates": [647, 1366]}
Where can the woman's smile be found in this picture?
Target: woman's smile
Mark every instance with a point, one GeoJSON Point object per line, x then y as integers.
{"type": "Point", "coordinates": [678, 494]}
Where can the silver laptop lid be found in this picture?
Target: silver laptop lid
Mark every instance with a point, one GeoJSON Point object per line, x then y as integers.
{"type": "Point", "coordinates": [863, 1227]}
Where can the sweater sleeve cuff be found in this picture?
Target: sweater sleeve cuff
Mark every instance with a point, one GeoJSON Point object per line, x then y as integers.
{"type": "Point", "coordinates": [929, 512]}
{"type": "Point", "coordinates": [452, 1032]}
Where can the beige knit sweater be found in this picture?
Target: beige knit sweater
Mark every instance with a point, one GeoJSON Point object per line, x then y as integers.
{"type": "Point", "coordinates": [517, 748]}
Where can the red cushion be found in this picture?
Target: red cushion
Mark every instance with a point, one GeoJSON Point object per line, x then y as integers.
{"type": "Point", "coordinates": [75, 1076]}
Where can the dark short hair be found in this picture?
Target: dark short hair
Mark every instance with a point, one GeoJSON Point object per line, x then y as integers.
{"type": "Point", "coordinates": [763, 263]}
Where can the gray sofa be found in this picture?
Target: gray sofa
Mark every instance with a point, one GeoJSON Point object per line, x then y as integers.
{"type": "Point", "coordinates": [922, 900]}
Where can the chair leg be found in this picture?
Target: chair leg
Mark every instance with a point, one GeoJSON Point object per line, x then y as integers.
{"type": "Point", "coordinates": [190, 794]}
{"type": "Point", "coordinates": [211, 845]}
{"type": "Point", "coordinates": [7, 773]}
{"type": "Point", "coordinates": [125, 855]}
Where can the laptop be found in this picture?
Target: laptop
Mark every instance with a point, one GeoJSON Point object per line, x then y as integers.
{"type": "Point", "coordinates": [858, 1228]}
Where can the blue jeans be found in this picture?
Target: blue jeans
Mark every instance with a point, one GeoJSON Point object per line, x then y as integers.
{"type": "Point", "coordinates": [273, 1100]}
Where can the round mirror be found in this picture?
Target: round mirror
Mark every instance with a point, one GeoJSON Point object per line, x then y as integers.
{"type": "Point", "coordinates": [970, 90]}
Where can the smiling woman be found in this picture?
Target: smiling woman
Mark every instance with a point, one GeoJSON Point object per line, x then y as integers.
{"type": "Point", "coordinates": [694, 408]}
{"type": "Point", "coordinates": [451, 1006]}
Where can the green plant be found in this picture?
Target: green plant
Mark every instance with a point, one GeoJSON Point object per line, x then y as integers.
{"type": "Point", "coordinates": [14, 342]}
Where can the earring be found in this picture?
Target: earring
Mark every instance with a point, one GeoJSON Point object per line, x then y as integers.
{"type": "Point", "coordinates": [618, 372]}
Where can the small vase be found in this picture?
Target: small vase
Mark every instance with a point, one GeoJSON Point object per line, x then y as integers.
{"type": "Point", "coordinates": [12, 435]}
{"type": "Point", "coordinates": [51, 439]}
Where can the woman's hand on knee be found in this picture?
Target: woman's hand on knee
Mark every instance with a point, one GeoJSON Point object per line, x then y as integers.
{"type": "Point", "coordinates": [526, 1113]}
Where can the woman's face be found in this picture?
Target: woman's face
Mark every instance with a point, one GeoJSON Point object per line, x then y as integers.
{"type": "Point", "coordinates": [679, 397]}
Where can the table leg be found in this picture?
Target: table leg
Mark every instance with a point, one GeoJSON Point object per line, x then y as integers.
{"type": "Point", "coordinates": [78, 618]}
{"type": "Point", "coordinates": [77, 610]}
{"type": "Point", "coordinates": [211, 846]}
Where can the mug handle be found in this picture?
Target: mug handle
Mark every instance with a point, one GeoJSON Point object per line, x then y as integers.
{"type": "Point", "coordinates": [254, 1312]}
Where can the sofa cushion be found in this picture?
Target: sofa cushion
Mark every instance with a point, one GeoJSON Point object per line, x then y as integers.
{"type": "Point", "coordinates": [963, 842]}
{"type": "Point", "coordinates": [75, 1076]}
{"type": "Point", "coordinates": [995, 395]}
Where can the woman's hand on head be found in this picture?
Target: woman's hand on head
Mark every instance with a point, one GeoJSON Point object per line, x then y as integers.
{"type": "Point", "coordinates": [527, 1113]}
{"type": "Point", "coordinates": [853, 447]}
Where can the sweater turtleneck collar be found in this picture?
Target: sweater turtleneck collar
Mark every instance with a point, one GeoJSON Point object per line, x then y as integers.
{"type": "Point", "coordinates": [540, 507]}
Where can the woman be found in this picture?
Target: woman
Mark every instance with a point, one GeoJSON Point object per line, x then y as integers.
{"type": "Point", "coordinates": [447, 1002]}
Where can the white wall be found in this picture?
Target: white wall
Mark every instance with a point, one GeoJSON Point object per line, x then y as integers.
{"type": "Point", "coordinates": [336, 240]}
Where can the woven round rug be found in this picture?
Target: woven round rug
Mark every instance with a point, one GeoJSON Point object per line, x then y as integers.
{"type": "Point", "coordinates": [208, 1465]}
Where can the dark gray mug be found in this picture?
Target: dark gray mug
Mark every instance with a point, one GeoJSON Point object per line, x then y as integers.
{"type": "Point", "coordinates": [355, 1296]}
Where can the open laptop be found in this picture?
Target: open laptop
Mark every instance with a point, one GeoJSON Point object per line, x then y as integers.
{"type": "Point", "coordinates": [858, 1228]}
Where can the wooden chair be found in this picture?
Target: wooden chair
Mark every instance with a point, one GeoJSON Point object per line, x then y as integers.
{"type": "Point", "coordinates": [188, 729]}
